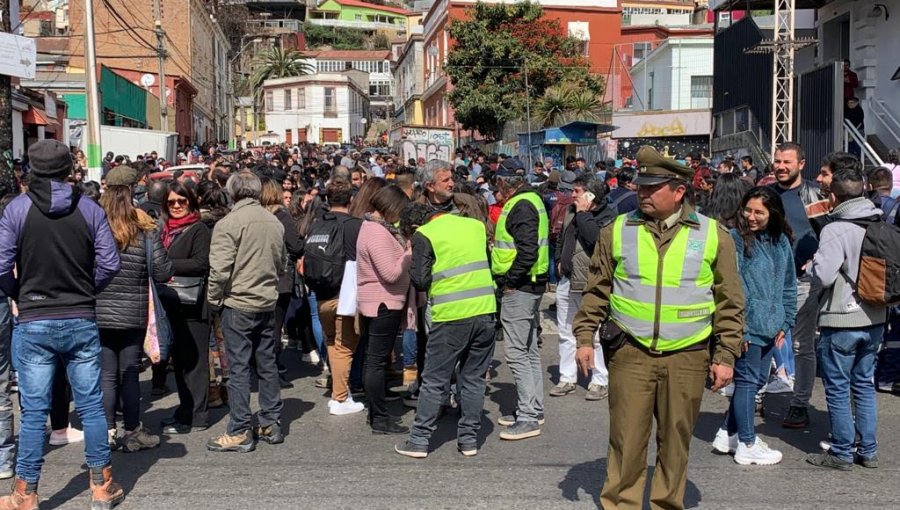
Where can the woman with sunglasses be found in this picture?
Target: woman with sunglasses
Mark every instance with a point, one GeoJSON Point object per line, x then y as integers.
{"type": "Point", "coordinates": [187, 239]}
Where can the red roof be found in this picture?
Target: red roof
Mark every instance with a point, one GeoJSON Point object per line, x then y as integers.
{"type": "Point", "coordinates": [366, 5]}
{"type": "Point", "coordinates": [37, 15]}
{"type": "Point", "coordinates": [350, 54]}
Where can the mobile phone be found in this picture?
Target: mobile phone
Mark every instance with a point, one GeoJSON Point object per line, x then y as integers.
{"type": "Point", "coordinates": [589, 196]}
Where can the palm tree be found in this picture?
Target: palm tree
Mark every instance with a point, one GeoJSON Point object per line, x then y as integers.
{"type": "Point", "coordinates": [567, 103]}
{"type": "Point", "coordinates": [277, 63]}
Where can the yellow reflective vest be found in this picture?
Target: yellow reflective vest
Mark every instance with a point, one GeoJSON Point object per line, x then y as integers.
{"type": "Point", "coordinates": [504, 252]}
{"type": "Point", "coordinates": [461, 281]}
{"type": "Point", "coordinates": [665, 303]}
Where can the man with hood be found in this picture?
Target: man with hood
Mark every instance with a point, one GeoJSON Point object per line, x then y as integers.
{"type": "Point", "coordinates": [64, 254]}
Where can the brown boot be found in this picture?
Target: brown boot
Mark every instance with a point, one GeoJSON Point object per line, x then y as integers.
{"type": "Point", "coordinates": [409, 375]}
{"type": "Point", "coordinates": [215, 396]}
{"type": "Point", "coordinates": [20, 498]}
{"type": "Point", "coordinates": [105, 493]}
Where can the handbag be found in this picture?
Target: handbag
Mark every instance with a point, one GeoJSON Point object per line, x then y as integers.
{"type": "Point", "coordinates": [347, 298]}
{"type": "Point", "coordinates": [158, 337]}
{"type": "Point", "coordinates": [187, 290]}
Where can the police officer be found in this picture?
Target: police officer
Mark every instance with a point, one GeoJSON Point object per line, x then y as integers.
{"type": "Point", "coordinates": [450, 262]}
{"type": "Point", "coordinates": [667, 278]}
{"type": "Point", "coordinates": [520, 260]}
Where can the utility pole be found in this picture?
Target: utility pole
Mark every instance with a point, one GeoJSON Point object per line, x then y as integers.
{"type": "Point", "coordinates": [528, 117]}
{"type": "Point", "coordinates": [161, 55]}
{"type": "Point", "coordinates": [6, 129]}
{"type": "Point", "coordinates": [93, 95]}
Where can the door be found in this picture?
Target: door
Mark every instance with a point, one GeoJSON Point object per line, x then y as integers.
{"type": "Point", "coordinates": [301, 135]}
{"type": "Point", "coordinates": [289, 136]}
{"type": "Point", "coordinates": [331, 135]}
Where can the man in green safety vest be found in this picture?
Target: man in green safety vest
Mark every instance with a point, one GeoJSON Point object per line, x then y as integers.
{"type": "Point", "coordinates": [450, 262]}
{"type": "Point", "coordinates": [667, 278]}
{"type": "Point", "coordinates": [520, 261]}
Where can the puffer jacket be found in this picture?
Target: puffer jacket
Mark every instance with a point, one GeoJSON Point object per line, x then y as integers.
{"type": "Point", "coordinates": [123, 303]}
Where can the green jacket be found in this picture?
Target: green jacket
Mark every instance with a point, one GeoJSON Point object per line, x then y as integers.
{"type": "Point", "coordinates": [246, 258]}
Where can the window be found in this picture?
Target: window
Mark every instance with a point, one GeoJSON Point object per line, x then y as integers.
{"type": "Point", "coordinates": [270, 101]}
{"type": "Point", "coordinates": [330, 105]}
{"type": "Point", "coordinates": [641, 50]}
{"type": "Point", "coordinates": [701, 91]}
{"type": "Point", "coordinates": [301, 98]}
{"type": "Point", "coordinates": [359, 17]}
{"type": "Point", "coordinates": [288, 103]}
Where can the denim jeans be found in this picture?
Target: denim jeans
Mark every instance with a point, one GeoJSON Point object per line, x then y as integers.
{"type": "Point", "coordinates": [887, 369]}
{"type": "Point", "coordinates": [7, 439]}
{"type": "Point", "coordinates": [318, 334]}
{"type": "Point", "coordinates": [847, 361]}
{"type": "Point", "coordinates": [470, 342]}
{"type": "Point", "coordinates": [409, 348]}
{"type": "Point", "coordinates": [784, 356]}
{"type": "Point", "coordinates": [751, 372]}
{"type": "Point", "coordinates": [517, 315]}
{"type": "Point", "coordinates": [36, 347]}
{"type": "Point", "coordinates": [251, 335]}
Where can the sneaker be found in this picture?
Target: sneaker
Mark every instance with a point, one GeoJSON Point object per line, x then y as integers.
{"type": "Point", "coordinates": [468, 450]}
{"type": "Point", "coordinates": [159, 391]}
{"type": "Point", "coordinates": [411, 450]}
{"type": "Point", "coordinates": [508, 420]}
{"type": "Point", "coordinates": [780, 385]}
{"type": "Point", "coordinates": [562, 389]}
{"type": "Point", "coordinates": [66, 436]}
{"type": "Point", "coordinates": [311, 357]}
{"type": "Point", "coordinates": [139, 439]}
{"type": "Point", "coordinates": [346, 407]}
{"type": "Point", "coordinates": [828, 460]}
{"type": "Point", "coordinates": [596, 392]}
{"type": "Point", "coordinates": [7, 472]}
{"type": "Point", "coordinates": [725, 443]}
{"type": "Point", "coordinates": [727, 391]}
{"type": "Point", "coordinates": [797, 418]}
{"type": "Point", "coordinates": [411, 400]}
{"type": "Point", "coordinates": [388, 427]}
{"type": "Point", "coordinates": [323, 382]}
{"type": "Point", "coordinates": [870, 462]}
{"type": "Point", "coordinates": [270, 434]}
{"type": "Point", "coordinates": [112, 438]}
{"type": "Point", "coordinates": [242, 442]}
{"type": "Point", "coordinates": [758, 453]}
{"type": "Point", "coordinates": [521, 430]}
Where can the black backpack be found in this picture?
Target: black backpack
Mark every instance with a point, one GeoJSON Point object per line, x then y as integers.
{"type": "Point", "coordinates": [323, 254]}
{"type": "Point", "coordinates": [878, 283]}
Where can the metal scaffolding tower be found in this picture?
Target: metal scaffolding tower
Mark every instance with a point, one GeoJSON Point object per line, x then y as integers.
{"type": "Point", "coordinates": [782, 46]}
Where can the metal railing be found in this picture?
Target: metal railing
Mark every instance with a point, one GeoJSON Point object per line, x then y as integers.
{"type": "Point", "coordinates": [866, 152]}
{"type": "Point", "coordinates": [891, 124]}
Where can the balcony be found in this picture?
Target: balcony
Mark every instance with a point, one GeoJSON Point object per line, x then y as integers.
{"type": "Point", "coordinates": [362, 25]}
{"type": "Point", "coordinates": [274, 26]}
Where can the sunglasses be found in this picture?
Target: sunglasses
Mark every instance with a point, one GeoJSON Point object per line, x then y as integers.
{"type": "Point", "coordinates": [181, 202]}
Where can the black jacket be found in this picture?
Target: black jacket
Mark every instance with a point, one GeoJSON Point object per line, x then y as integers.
{"type": "Point", "coordinates": [189, 254]}
{"type": "Point", "coordinates": [123, 304]}
{"type": "Point", "coordinates": [576, 244]}
{"type": "Point", "coordinates": [522, 224]}
{"type": "Point", "coordinates": [293, 244]}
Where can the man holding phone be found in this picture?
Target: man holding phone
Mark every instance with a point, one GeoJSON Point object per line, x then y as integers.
{"type": "Point", "coordinates": [667, 277]}
{"type": "Point", "coordinates": [575, 245]}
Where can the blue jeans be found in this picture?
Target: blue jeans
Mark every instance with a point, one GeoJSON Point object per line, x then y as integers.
{"type": "Point", "coordinates": [887, 369]}
{"type": "Point", "coordinates": [318, 334]}
{"type": "Point", "coordinates": [847, 361]}
{"type": "Point", "coordinates": [37, 346]}
{"type": "Point", "coordinates": [784, 357]}
{"type": "Point", "coordinates": [410, 348]}
{"type": "Point", "coordinates": [7, 439]}
{"type": "Point", "coordinates": [751, 371]}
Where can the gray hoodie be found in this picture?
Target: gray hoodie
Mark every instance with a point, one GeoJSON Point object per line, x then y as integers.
{"type": "Point", "coordinates": [836, 266]}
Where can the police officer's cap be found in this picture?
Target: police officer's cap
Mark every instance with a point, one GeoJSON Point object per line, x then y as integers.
{"type": "Point", "coordinates": [654, 169]}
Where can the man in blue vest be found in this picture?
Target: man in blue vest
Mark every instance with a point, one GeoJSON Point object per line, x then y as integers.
{"type": "Point", "coordinates": [520, 261]}
{"type": "Point", "coordinates": [450, 262]}
{"type": "Point", "coordinates": [667, 278]}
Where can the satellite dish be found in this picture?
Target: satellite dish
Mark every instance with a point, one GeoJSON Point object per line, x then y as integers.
{"type": "Point", "coordinates": [148, 80]}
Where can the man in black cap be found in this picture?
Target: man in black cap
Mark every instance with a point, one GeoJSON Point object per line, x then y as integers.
{"type": "Point", "coordinates": [64, 254]}
{"type": "Point", "coordinates": [666, 278]}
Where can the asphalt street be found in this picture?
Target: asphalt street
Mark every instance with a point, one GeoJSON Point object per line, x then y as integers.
{"type": "Point", "coordinates": [335, 462]}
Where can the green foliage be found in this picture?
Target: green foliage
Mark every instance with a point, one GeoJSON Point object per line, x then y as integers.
{"type": "Point", "coordinates": [277, 63]}
{"type": "Point", "coordinates": [494, 48]}
{"type": "Point", "coordinates": [336, 37]}
{"type": "Point", "coordinates": [567, 103]}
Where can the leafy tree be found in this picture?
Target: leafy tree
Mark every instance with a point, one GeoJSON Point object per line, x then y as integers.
{"type": "Point", "coordinates": [277, 63]}
{"type": "Point", "coordinates": [567, 103]}
{"type": "Point", "coordinates": [495, 46]}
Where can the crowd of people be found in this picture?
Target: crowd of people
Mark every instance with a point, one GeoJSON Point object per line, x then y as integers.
{"type": "Point", "coordinates": [668, 276]}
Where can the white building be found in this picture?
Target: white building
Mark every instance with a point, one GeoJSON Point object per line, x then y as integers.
{"type": "Point", "coordinates": [323, 108]}
{"type": "Point", "coordinates": [677, 75]}
{"type": "Point", "coordinates": [409, 81]}
{"type": "Point", "coordinates": [375, 63]}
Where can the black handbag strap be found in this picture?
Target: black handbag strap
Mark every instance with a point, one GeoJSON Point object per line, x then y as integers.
{"type": "Point", "coordinates": [148, 250]}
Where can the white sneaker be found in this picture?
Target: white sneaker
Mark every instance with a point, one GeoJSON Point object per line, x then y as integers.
{"type": "Point", "coordinates": [66, 436]}
{"type": "Point", "coordinates": [758, 453]}
{"type": "Point", "coordinates": [346, 407]}
{"type": "Point", "coordinates": [724, 443]}
{"type": "Point", "coordinates": [780, 385]}
{"type": "Point", "coordinates": [314, 357]}
{"type": "Point", "coordinates": [727, 391]}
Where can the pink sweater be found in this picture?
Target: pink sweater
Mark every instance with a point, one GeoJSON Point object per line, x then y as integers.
{"type": "Point", "coordinates": [382, 270]}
